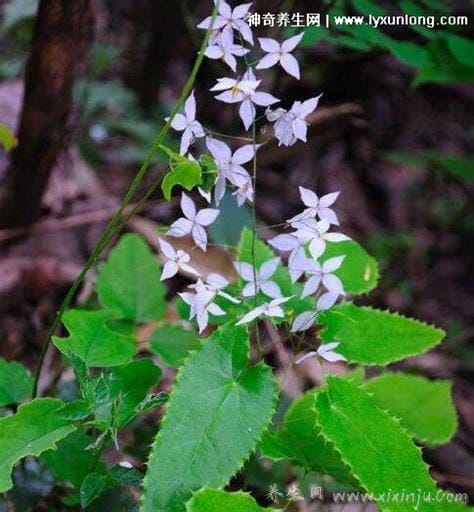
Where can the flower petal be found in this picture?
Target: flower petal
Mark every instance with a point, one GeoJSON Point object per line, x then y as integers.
{"type": "Point", "coordinates": [326, 301]}
{"type": "Point", "coordinates": [284, 243]}
{"type": "Point", "coordinates": [180, 227]}
{"type": "Point", "coordinates": [269, 45]}
{"type": "Point", "coordinates": [247, 113]}
{"type": "Point", "coordinates": [219, 150]}
{"type": "Point", "coordinates": [167, 249]}
{"type": "Point", "coordinates": [268, 61]}
{"type": "Point", "coordinates": [188, 207]}
{"type": "Point", "coordinates": [179, 122]}
{"type": "Point", "coordinates": [300, 129]}
{"type": "Point", "coordinates": [308, 197]}
{"type": "Point", "coordinates": [251, 315]}
{"type": "Point", "coordinates": [245, 270]}
{"type": "Point", "coordinates": [290, 44]}
{"type": "Point", "coordinates": [170, 269]}
{"type": "Point", "coordinates": [316, 247]}
{"type": "Point", "coordinates": [311, 286]}
{"type": "Point", "coordinates": [264, 99]}
{"type": "Point", "coordinates": [333, 284]}
{"type": "Point", "coordinates": [244, 154]}
{"type": "Point", "coordinates": [190, 107]}
{"type": "Point", "coordinates": [206, 216]}
{"type": "Point", "coordinates": [328, 199]}
{"type": "Point", "coordinates": [268, 268]}
{"type": "Point", "coordinates": [271, 289]}
{"type": "Point", "coordinates": [290, 65]}
{"type": "Point", "coordinates": [332, 264]}
{"type": "Point", "coordinates": [200, 236]}
{"type": "Point", "coordinates": [303, 321]}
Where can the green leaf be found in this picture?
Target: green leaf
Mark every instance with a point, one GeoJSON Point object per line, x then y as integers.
{"type": "Point", "coordinates": [299, 439]}
{"type": "Point", "coordinates": [409, 53]}
{"type": "Point", "coordinates": [16, 383]}
{"type": "Point", "coordinates": [72, 461]}
{"type": "Point", "coordinates": [217, 500]}
{"type": "Point", "coordinates": [121, 391]}
{"type": "Point", "coordinates": [186, 174]}
{"type": "Point", "coordinates": [381, 454]}
{"type": "Point", "coordinates": [7, 139]}
{"type": "Point", "coordinates": [424, 407]}
{"type": "Point", "coordinates": [374, 337]}
{"type": "Point", "coordinates": [367, 7]}
{"type": "Point", "coordinates": [130, 281]}
{"type": "Point", "coordinates": [93, 341]}
{"type": "Point", "coordinates": [359, 271]}
{"type": "Point", "coordinates": [17, 11]}
{"type": "Point", "coordinates": [216, 413]}
{"type": "Point", "coordinates": [34, 429]}
{"type": "Point", "coordinates": [173, 343]}
{"type": "Point", "coordinates": [463, 168]}
{"type": "Point", "coordinates": [92, 487]}
{"type": "Point", "coordinates": [208, 172]}
{"type": "Point", "coordinates": [76, 410]}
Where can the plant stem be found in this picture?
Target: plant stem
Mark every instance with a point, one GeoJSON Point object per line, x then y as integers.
{"type": "Point", "coordinates": [117, 222]}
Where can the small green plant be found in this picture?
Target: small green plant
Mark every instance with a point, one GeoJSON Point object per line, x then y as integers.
{"type": "Point", "coordinates": [361, 434]}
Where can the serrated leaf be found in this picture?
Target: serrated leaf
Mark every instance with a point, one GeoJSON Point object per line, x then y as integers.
{"type": "Point", "coordinates": [185, 174]}
{"type": "Point", "coordinates": [299, 439]}
{"type": "Point", "coordinates": [374, 337]}
{"type": "Point", "coordinates": [16, 383]}
{"type": "Point", "coordinates": [217, 411]}
{"type": "Point", "coordinates": [359, 271]}
{"type": "Point", "coordinates": [76, 410]}
{"type": "Point", "coordinates": [123, 389]}
{"type": "Point", "coordinates": [34, 429]}
{"type": "Point", "coordinates": [424, 407]}
{"type": "Point", "coordinates": [217, 500]}
{"type": "Point", "coordinates": [130, 281]}
{"type": "Point", "coordinates": [72, 461]}
{"type": "Point", "coordinates": [92, 487]}
{"type": "Point", "coordinates": [93, 341]}
{"type": "Point", "coordinates": [128, 477]}
{"type": "Point", "coordinates": [381, 454]}
{"type": "Point", "coordinates": [172, 342]}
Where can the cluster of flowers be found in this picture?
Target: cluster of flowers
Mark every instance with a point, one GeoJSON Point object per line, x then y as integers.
{"type": "Point", "coordinates": [311, 227]}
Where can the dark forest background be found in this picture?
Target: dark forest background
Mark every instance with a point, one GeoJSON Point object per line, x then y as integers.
{"type": "Point", "coordinates": [85, 86]}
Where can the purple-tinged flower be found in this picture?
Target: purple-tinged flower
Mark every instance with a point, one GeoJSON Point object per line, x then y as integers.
{"type": "Point", "coordinates": [229, 165]}
{"type": "Point", "coordinates": [229, 19]}
{"type": "Point", "coordinates": [260, 279]}
{"type": "Point", "coordinates": [280, 53]}
{"type": "Point", "coordinates": [215, 283]}
{"type": "Point", "coordinates": [201, 304]}
{"type": "Point", "coordinates": [176, 260]}
{"type": "Point", "coordinates": [317, 206]}
{"type": "Point", "coordinates": [323, 274]}
{"type": "Point", "coordinates": [234, 88]}
{"type": "Point", "coordinates": [187, 124]}
{"type": "Point", "coordinates": [324, 352]}
{"type": "Point", "coordinates": [248, 100]}
{"type": "Point", "coordinates": [224, 48]}
{"type": "Point", "coordinates": [291, 125]}
{"type": "Point", "coordinates": [316, 233]}
{"type": "Point", "coordinates": [271, 310]}
{"type": "Point", "coordinates": [193, 222]}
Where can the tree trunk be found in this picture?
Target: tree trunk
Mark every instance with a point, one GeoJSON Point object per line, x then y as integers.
{"type": "Point", "coordinates": [63, 31]}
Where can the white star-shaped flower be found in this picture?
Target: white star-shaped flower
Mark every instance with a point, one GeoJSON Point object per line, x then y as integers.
{"type": "Point", "coordinates": [234, 89]}
{"type": "Point", "coordinates": [271, 309]}
{"type": "Point", "coordinates": [280, 53]}
{"type": "Point", "coordinates": [291, 125]}
{"type": "Point", "coordinates": [201, 304]}
{"type": "Point", "coordinates": [297, 257]}
{"type": "Point", "coordinates": [323, 274]}
{"type": "Point", "coordinates": [187, 124]}
{"type": "Point", "coordinates": [229, 166]}
{"type": "Point", "coordinates": [324, 352]}
{"type": "Point", "coordinates": [224, 48]}
{"type": "Point", "coordinates": [193, 222]}
{"type": "Point", "coordinates": [317, 206]}
{"type": "Point", "coordinates": [248, 100]}
{"type": "Point", "coordinates": [176, 260]}
{"type": "Point", "coordinates": [315, 232]}
{"type": "Point", "coordinates": [244, 193]}
{"type": "Point", "coordinates": [260, 279]}
{"type": "Point", "coordinates": [229, 19]}
{"type": "Point", "coordinates": [215, 283]}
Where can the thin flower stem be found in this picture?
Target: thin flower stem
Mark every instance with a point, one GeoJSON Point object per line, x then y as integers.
{"type": "Point", "coordinates": [121, 217]}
